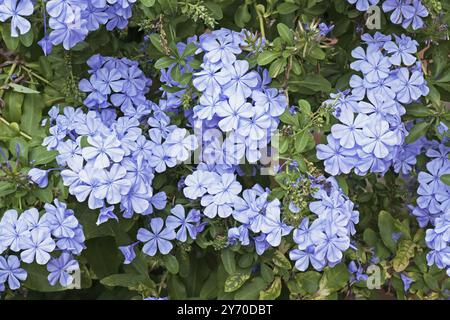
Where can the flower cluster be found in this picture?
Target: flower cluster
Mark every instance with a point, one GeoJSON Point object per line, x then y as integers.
{"type": "Point", "coordinates": [51, 239]}
{"type": "Point", "coordinates": [110, 159]}
{"type": "Point", "coordinates": [322, 242]}
{"type": "Point", "coordinates": [69, 21]}
{"type": "Point", "coordinates": [370, 134]}
{"type": "Point", "coordinates": [433, 205]}
{"type": "Point", "coordinates": [404, 12]}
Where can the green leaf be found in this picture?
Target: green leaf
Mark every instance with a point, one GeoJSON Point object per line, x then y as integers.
{"type": "Point", "coordinates": [334, 279]}
{"type": "Point", "coordinates": [251, 290]}
{"type": "Point", "coordinates": [19, 88]}
{"type": "Point", "coordinates": [287, 7]}
{"type": "Point", "coordinates": [171, 263]}
{"type": "Point", "coordinates": [309, 281]}
{"type": "Point", "coordinates": [273, 291]}
{"type": "Point", "coordinates": [418, 111]}
{"type": "Point", "coordinates": [314, 82]}
{"type": "Point", "coordinates": [155, 39]}
{"type": "Point", "coordinates": [242, 15]}
{"type": "Point", "coordinates": [285, 33]}
{"type": "Point", "coordinates": [404, 253]}
{"type": "Point", "coordinates": [11, 42]}
{"type": "Point", "coordinates": [419, 130]}
{"type": "Point", "coordinates": [228, 261]}
{"type": "Point", "coordinates": [148, 3]}
{"type": "Point", "coordinates": [280, 260]}
{"type": "Point", "coordinates": [127, 280]}
{"type": "Point", "coordinates": [164, 62]}
{"type": "Point", "coordinates": [41, 155]}
{"type": "Point", "coordinates": [102, 256]}
{"type": "Point", "coordinates": [317, 53]}
{"type": "Point", "coordinates": [267, 57]}
{"type": "Point", "coordinates": [386, 227]}
{"type": "Point", "coordinates": [7, 188]}
{"type": "Point", "coordinates": [277, 67]}
{"type": "Point", "coordinates": [301, 141]}
{"type": "Point", "coordinates": [445, 178]}
{"type": "Point", "coordinates": [236, 280]}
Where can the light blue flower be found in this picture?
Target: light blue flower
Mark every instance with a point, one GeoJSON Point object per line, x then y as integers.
{"type": "Point", "coordinates": [185, 224]}
{"type": "Point", "coordinates": [38, 247]}
{"type": "Point", "coordinates": [16, 10]}
{"type": "Point", "coordinates": [157, 239]}
{"type": "Point", "coordinates": [61, 269]}
{"type": "Point", "coordinates": [38, 176]}
{"type": "Point", "coordinates": [11, 272]}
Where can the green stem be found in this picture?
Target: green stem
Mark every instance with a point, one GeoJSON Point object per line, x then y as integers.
{"type": "Point", "coordinates": [261, 22]}
{"type": "Point", "coordinates": [11, 72]}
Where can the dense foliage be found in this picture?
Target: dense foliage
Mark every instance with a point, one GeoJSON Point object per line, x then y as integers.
{"type": "Point", "coordinates": [282, 149]}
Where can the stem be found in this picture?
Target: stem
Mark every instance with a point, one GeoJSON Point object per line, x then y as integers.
{"type": "Point", "coordinates": [11, 72]}
{"type": "Point", "coordinates": [261, 23]}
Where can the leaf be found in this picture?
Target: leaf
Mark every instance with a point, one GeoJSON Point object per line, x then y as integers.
{"type": "Point", "coordinates": [155, 39]}
{"type": "Point", "coordinates": [445, 178]}
{"type": "Point", "coordinates": [164, 62]}
{"type": "Point", "coordinates": [418, 111]}
{"type": "Point", "coordinates": [314, 82]}
{"type": "Point", "coordinates": [148, 3]}
{"type": "Point", "coordinates": [287, 7]}
{"type": "Point", "coordinates": [419, 130]}
{"type": "Point", "coordinates": [171, 263]}
{"type": "Point", "coordinates": [11, 42]}
{"type": "Point", "coordinates": [301, 141]}
{"type": "Point", "coordinates": [242, 15]}
{"type": "Point", "coordinates": [7, 188]}
{"type": "Point", "coordinates": [309, 281]}
{"type": "Point", "coordinates": [267, 57]}
{"type": "Point", "coordinates": [126, 280]}
{"type": "Point", "coordinates": [334, 279]}
{"type": "Point", "coordinates": [281, 261]}
{"type": "Point", "coordinates": [19, 88]}
{"type": "Point", "coordinates": [386, 227]}
{"type": "Point", "coordinates": [404, 253]}
{"type": "Point", "coordinates": [210, 288]}
{"type": "Point", "coordinates": [102, 256]}
{"type": "Point", "coordinates": [251, 290]}
{"type": "Point", "coordinates": [272, 292]}
{"type": "Point", "coordinates": [236, 280]}
{"type": "Point", "coordinates": [277, 67]}
{"type": "Point", "coordinates": [176, 288]}
{"type": "Point", "coordinates": [285, 33]}
{"type": "Point", "coordinates": [317, 53]}
{"type": "Point", "coordinates": [14, 102]}
{"type": "Point", "coordinates": [228, 261]}
{"type": "Point", "coordinates": [41, 155]}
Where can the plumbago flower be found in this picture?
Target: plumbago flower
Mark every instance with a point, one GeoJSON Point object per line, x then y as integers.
{"type": "Point", "coordinates": [108, 159]}
{"type": "Point", "coordinates": [53, 238]}
{"type": "Point", "coordinates": [433, 204]}
{"type": "Point", "coordinates": [322, 241]}
{"type": "Point", "coordinates": [404, 12]}
{"type": "Point", "coordinates": [370, 135]}
{"type": "Point", "coordinates": [69, 21]}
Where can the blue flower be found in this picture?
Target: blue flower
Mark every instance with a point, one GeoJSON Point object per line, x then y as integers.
{"type": "Point", "coordinates": [106, 213]}
{"type": "Point", "coordinates": [11, 272]}
{"type": "Point", "coordinates": [225, 190]}
{"type": "Point", "coordinates": [408, 86]}
{"type": "Point", "coordinates": [196, 184]}
{"type": "Point", "coordinates": [112, 184]}
{"type": "Point", "coordinates": [337, 159]}
{"type": "Point", "coordinates": [303, 258]}
{"type": "Point", "coordinates": [179, 144]}
{"type": "Point", "coordinates": [158, 239]}
{"type": "Point", "coordinates": [377, 137]}
{"type": "Point", "coordinates": [232, 111]}
{"type": "Point", "coordinates": [363, 5]}
{"type": "Point", "coordinates": [186, 224]}
{"type": "Point", "coordinates": [401, 50]}
{"type": "Point", "coordinates": [407, 281]}
{"type": "Point", "coordinates": [61, 270]}
{"type": "Point", "coordinates": [376, 66]}
{"type": "Point", "coordinates": [38, 176]}
{"type": "Point", "coordinates": [401, 10]}
{"type": "Point", "coordinates": [128, 252]}
{"type": "Point", "coordinates": [272, 224]}
{"type": "Point", "coordinates": [420, 11]}
{"type": "Point", "coordinates": [241, 83]}
{"type": "Point", "coordinates": [14, 232]}
{"type": "Point", "coordinates": [103, 150]}
{"type": "Point", "coordinates": [38, 247]}
{"type": "Point", "coordinates": [16, 10]}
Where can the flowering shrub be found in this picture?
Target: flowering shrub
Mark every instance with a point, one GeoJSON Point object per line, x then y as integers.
{"type": "Point", "coordinates": [224, 149]}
